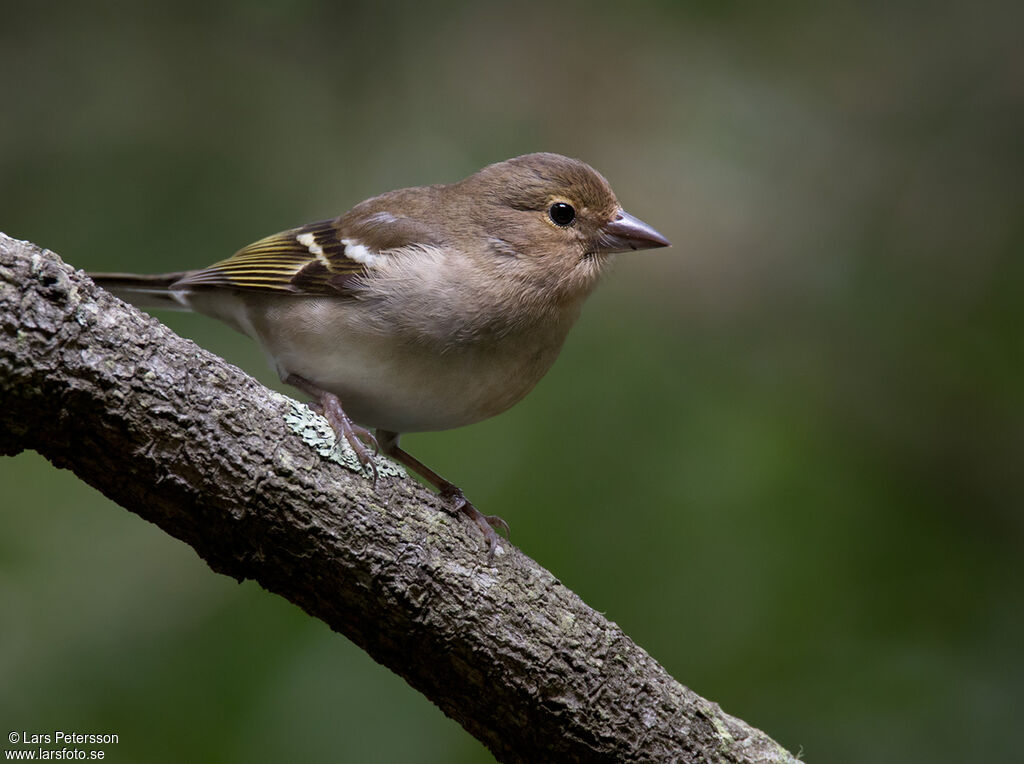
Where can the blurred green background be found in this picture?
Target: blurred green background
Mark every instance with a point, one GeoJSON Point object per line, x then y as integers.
{"type": "Point", "coordinates": [784, 455]}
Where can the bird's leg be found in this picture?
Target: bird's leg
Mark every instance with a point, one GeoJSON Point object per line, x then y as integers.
{"type": "Point", "coordinates": [448, 491]}
{"type": "Point", "coordinates": [329, 405]}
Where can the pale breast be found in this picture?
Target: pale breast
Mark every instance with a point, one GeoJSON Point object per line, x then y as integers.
{"type": "Point", "coordinates": [389, 382]}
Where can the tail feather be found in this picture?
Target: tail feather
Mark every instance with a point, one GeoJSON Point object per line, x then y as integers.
{"type": "Point", "coordinates": [146, 291]}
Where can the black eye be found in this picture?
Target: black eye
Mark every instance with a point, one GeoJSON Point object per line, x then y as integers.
{"type": "Point", "coordinates": [561, 214]}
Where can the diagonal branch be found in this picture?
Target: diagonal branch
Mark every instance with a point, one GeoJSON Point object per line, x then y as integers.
{"type": "Point", "coordinates": [189, 442]}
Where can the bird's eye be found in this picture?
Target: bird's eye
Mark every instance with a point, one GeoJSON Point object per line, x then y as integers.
{"type": "Point", "coordinates": [561, 214]}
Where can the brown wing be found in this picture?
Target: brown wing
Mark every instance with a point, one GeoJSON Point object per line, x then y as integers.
{"type": "Point", "coordinates": [327, 258]}
{"type": "Point", "coordinates": [306, 260]}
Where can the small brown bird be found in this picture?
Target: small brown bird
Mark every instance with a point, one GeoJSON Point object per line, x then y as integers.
{"type": "Point", "coordinates": [423, 308]}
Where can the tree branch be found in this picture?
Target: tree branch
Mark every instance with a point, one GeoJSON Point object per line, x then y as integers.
{"type": "Point", "coordinates": [189, 442]}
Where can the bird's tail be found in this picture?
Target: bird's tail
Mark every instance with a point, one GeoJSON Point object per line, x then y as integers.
{"type": "Point", "coordinates": [145, 291]}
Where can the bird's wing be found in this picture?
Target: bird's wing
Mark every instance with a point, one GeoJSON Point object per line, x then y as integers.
{"type": "Point", "coordinates": [324, 258]}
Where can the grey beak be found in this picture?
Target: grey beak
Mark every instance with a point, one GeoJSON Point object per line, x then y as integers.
{"type": "Point", "coordinates": [626, 233]}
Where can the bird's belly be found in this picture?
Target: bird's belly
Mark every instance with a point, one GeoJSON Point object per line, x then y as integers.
{"type": "Point", "coordinates": [402, 391]}
{"type": "Point", "coordinates": [390, 383]}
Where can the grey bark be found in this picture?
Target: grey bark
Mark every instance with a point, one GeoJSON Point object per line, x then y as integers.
{"type": "Point", "coordinates": [189, 442]}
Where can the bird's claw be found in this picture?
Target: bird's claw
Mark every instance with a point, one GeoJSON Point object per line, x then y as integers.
{"type": "Point", "coordinates": [365, 436]}
{"type": "Point", "coordinates": [362, 436]}
{"type": "Point", "coordinates": [498, 524]}
{"type": "Point", "coordinates": [365, 458]}
{"type": "Point", "coordinates": [354, 435]}
{"type": "Point", "coordinates": [488, 524]}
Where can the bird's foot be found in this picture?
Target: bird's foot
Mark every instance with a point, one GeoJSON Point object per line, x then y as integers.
{"type": "Point", "coordinates": [357, 437]}
{"type": "Point", "coordinates": [329, 406]}
{"type": "Point", "coordinates": [488, 524]}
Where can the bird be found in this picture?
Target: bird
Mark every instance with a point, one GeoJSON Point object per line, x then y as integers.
{"type": "Point", "coordinates": [421, 309]}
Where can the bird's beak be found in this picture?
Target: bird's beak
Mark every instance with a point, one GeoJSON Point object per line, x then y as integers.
{"type": "Point", "coordinates": [626, 233]}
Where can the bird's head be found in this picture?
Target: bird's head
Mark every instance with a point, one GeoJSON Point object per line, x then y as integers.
{"type": "Point", "coordinates": [554, 216]}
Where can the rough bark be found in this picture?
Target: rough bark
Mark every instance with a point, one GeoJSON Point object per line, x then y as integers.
{"type": "Point", "coordinates": [189, 442]}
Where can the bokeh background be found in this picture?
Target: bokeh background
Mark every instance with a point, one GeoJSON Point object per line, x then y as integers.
{"type": "Point", "coordinates": [784, 455]}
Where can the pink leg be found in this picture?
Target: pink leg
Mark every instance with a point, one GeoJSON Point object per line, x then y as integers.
{"type": "Point", "coordinates": [448, 491]}
{"type": "Point", "coordinates": [330, 406]}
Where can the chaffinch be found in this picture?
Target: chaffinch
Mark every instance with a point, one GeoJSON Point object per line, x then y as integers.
{"type": "Point", "coordinates": [423, 308]}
